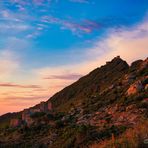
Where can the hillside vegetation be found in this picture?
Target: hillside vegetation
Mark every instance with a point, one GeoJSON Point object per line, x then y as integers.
{"type": "Point", "coordinates": [108, 108]}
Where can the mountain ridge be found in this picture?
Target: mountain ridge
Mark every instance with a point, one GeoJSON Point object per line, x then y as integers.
{"type": "Point", "coordinates": [117, 60]}
{"type": "Point", "coordinates": [106, 102]}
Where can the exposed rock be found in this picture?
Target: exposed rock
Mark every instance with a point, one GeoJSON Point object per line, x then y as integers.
{"type": "Point", "coordinates": [25, 113]}
{"type": "Point", "coordinates": [29, 121]}
{"type": "Point", "coordinates": [128, 78]}
{"type": "Point", "coordinates": [146, 87]}
{"type": "Point", "coordinates": [130, 107]}
{"type": "Point", "coordinates": [113, 109]}
{"type": "Point", "coordinates": [26, 116]}
{"type": "Point", "coordinates": [136, 64]}
{"type": "Point", "coordinates": [65, 118]}
{"type": "Point", "coordinates": [84, 119]}
{"type": "Point", "coordinates": [15, 122]}
{"type": "Point", "coordinates": [135, 88]}
{"type": "Point", "coordinates": [100, 78]}
{"type": "Point", "coordinates": [145, 100]}
{"type": "Point", "coordinates": [85, 110]}
{"type": "Point", "coordinates": [49, 106]}
{"type": "Point", "coordinates": [144, 64]}
{"type": "Point", "coordinates": [43, 107]}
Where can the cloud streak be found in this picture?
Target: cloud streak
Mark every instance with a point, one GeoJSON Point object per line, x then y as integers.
{"type": "Point", "coordinates": [64, 77]}
{"type": "Point", "coordinates": [87, 26]}
{"type": "Point", "coordinates": [18, 85]}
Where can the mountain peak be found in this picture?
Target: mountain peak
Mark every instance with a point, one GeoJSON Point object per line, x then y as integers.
{"type": "Point", "coordinates": [118, 59]}
{"type": "Point", "coordinates": [95, 81]}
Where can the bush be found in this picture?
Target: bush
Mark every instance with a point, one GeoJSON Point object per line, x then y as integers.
{"type": "Point", "coordinates": [38, 115]}
{"type": "Point", "coordinates": [59, 115]}
{"type": "Point", "coordinates": [142, 105]}
{"type": "Point", "coordinates": [82, 128]}
{"type": "Point", "coordinates": [132, 138]}
{"type": "Point", "coordinates": [59, 124]}
{"type": "Point", "coordinates": [50, 116]}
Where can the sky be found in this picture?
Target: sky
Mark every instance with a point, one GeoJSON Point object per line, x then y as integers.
{"type": "Point", "coordinates": [46, 45]}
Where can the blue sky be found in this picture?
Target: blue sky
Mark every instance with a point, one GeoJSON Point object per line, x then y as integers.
{"type": "Point", "coordinates": [52, 28]}
{"type": "Point", "coordinates": [48, 44]}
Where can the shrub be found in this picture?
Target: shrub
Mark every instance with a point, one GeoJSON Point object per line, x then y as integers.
{"type": "Point", "coordinates": [59, 124]}
{"type": "Point", "coordinates": [132, 138]}
{"type": "Point", "coordinates": [38, 115]}
{"type": "Point", "coordinates": [59, 115]}
{"type": "Point", "coordinates": [50, 116]}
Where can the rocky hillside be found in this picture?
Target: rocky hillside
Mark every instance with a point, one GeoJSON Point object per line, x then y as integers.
{"type": "Point", "coordinates": [99, 110]}
{"type": "Point", "coordinates": [95, 82]}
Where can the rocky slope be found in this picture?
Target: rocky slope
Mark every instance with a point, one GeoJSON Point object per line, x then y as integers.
{"type": "Point", "coordinates": [100, 106]}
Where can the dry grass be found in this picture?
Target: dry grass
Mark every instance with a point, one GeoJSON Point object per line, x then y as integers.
{"type": "Point", "coordinates": [132, 138]}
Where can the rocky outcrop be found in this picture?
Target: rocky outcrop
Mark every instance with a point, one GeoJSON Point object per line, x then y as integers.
{"type": "Point", "coordinates": [50, 106]}
{"type": "Point", "coordinates": [135, 88]}
{"type": "Point", "coordinates": [15, 123]}
{"type": "Point", "coordinates": [96, 81]}
{"type": "Point", "coordinates": [43, 107]}
{"type": "Point", "coordinates": [144, 64]}
{"type": "Point", "coordinates": [128, 78]}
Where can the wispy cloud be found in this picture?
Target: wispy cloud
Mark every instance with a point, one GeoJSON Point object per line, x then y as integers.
{"type": "Point", "coordinates": [14, 24]}
{"type": "Point", "coordinates": [86, 26]}
{"type": "Point", "coordinates": [11, 16]}
{"type": "Point", "coordinates": [25, 98]}
{"type": "Point", "coordinates": [32, 26]}
{"type": "Point", "coordinates": [65, 77]}
{"type": "Point", "coordinates": [13, 27]}
{"type": "Point", "coordinates": [18, 85]}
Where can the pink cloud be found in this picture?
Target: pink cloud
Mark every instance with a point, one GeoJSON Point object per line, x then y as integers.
{"type": "Point", "coordinates": [31, 97]}
{"type": "Point", "coordinates": [86, 26]}
{"type": "Point", "coordinates": [20, 2]}
{"type": "Point", "coordinates": [18, 85]}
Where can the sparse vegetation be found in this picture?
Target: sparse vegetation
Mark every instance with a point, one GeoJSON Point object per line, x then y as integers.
{"type": "Point", "coordinates": [93, 112]}
{"type": "Point", "coordinates": [135, 137]}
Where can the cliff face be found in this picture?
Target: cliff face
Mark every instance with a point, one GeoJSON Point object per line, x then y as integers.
{"type": "Point", "coordinates": [103, 104]}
